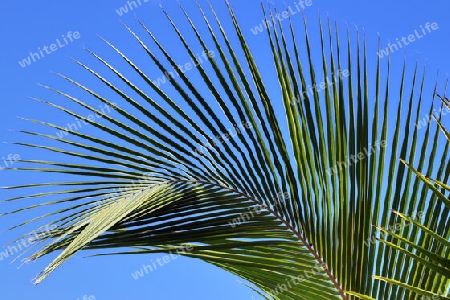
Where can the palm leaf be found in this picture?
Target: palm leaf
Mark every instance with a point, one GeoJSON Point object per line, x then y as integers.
{"type": "Point", "coordinates": [287, 203]}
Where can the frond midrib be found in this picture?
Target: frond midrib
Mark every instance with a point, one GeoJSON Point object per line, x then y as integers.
{"type": "Point", "coordinates": [297, 234]}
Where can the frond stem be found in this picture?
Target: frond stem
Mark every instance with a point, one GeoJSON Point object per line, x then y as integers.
{"type": "Point", "coordinates": [286, 223]}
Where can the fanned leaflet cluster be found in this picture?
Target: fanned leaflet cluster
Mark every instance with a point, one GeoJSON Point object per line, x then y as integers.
{"type": "Point", "coordinates": [311, 244]}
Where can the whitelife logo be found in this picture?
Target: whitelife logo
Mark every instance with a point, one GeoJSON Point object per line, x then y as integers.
{"type": "Point", "coordinates": [9, 161]}
{"type": "Point", "coordinates": [34, 56]}
{"type": "Point", "coordinates": [411, 38]}
{"type": "Point", "coordinates": [299, 6]}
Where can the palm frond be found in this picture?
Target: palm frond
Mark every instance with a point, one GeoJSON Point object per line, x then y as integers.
{"type": "Point", "coordinates": [287, 203]}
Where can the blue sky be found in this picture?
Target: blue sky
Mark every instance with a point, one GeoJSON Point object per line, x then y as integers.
{"type": "Point", "coordinates": [29, 26]}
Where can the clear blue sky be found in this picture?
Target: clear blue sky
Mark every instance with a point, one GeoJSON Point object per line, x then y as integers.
{"type": "Point", "coordinates": [27, 25]}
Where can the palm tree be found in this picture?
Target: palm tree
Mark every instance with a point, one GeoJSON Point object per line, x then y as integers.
{"type": "Point", "coordinates": [314, 204]}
